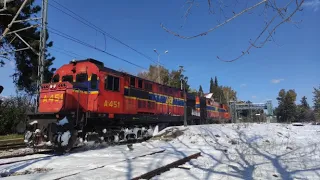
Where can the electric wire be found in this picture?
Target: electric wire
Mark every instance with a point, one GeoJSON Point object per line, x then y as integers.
{"type": "Point", "coordinates": [61, 34]}
{"type": "Point", "coordinates": [91, 25]}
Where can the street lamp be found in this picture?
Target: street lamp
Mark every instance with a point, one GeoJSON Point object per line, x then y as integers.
{"type": "Point", "coordinates": [166, 52]}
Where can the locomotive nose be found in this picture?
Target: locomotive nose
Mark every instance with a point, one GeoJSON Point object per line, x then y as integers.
{"type": "Point", "coordinates": [52, 96]}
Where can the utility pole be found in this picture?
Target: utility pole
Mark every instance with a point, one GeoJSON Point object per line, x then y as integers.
{"type": "Point", "coordinates": [218, 109]}
{"type": "Point", "coordinates": [158, 62]}
{"type": "Point", "coordinates": [42, 49]}
{"type": "Point", "coordinates": [43, 38]}
{"type": "Point", "coordinates": [183, 88]}
{"type": "Point", "coordinates": [15, 32]}
{"type": "Point", "coordinates": [235, 112]}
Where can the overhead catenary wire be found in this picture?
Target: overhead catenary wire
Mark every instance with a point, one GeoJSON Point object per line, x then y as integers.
{"type": "Point", "coordinates": [68, 53]}
{"type": "Point", "coordinates": [66, 36]}
{"type": "Point", "coordinates": [59, 49]}
{"type": "Point", "coordinates": [63, 53]}
{"type": "Point", "coordinates": [77, 17]}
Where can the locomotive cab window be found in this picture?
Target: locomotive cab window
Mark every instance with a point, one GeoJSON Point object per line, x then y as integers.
{"type": "Point", "coordinates": [67, 78]}
{"type": "Point", "coordinates": [112, 83]}
{"type": "Point", "coordinates": [148, 86]}
{"type": "Point", "coordinates": [94, 81]}
{"type": "Point", "coordinates": [165, 90]}
{"type": "Point", "coordinates": [56, 78]}
{"type": "Point", "coordinates": [132, 81]}
{"type": "Point", "coordinates": [140, 83]}
{"type": "Point", "coordinates": [82, 77]}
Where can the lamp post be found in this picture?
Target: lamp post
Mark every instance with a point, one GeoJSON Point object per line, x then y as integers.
{"type": "Point", "coordinates": [166, 52]}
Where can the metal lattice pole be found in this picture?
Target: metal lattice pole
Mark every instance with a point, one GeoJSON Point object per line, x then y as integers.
{"type": "Point", "coordinates": [42, 48]}
{"type": "Point", "coordinates": [43, 33]}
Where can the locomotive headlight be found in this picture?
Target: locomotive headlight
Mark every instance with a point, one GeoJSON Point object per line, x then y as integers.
{"type": "Point", "coordinates": [50, 86]}
{"type": "Point", "coordinates": [54, 86]}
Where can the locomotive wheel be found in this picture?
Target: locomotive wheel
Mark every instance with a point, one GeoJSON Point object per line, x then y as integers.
{"type": "Point", "coordinates": [66, 135]}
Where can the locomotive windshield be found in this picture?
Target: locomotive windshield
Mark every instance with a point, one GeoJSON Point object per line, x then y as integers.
{"type": "Point", "coordinates": [82, 77]}
{"type": "Point", "coordinates": [55, 78]}
{"type": "Point", "coordinates": [67, 78]}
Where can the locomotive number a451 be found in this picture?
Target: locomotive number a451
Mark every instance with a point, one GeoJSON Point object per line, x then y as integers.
{"type": "Point", "coordinates": [112, 104]}
{"type": "Point", "coordinates": [52, 98]}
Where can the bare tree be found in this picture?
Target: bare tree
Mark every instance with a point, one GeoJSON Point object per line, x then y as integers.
{"type": "Point", "coordinates": [275, 12]}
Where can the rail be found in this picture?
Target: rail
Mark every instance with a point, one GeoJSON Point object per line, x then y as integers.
{"type": "Point", "coordinates": [12, 144]}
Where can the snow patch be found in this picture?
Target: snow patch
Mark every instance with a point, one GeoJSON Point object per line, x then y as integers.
{"type": "Point", "coordinates": [27, 136]}
{"type": "Point", "coordinates": [49, 143]}
{"type": "Point", "coordinates": [156, 130]}
{"type": "Point", "coordinates": [33, 122]}
{"type": "Point", "coordinates": [65, 138]}
{"type": "Point", "coordinates": [37, 131]}
{"type": "Point", "coordinates": [170, 129]}
{"type": "Point", "coordinates": [259, 151]}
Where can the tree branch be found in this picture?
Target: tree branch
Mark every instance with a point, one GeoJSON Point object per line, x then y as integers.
{"type": "Point", "coordinates": [285, 19]}
{"type": "Point", "coordinates": [216, 27]}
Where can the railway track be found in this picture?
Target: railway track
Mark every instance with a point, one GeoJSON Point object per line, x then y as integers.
{"type": "Point", "coordinates": [152, 162]}
{"type": "Point", "coordinates": [52, 153]}
{"type": "Point", "coordinates": [143, 166]}
{"type": "Point", "coordinates": [12, 144]}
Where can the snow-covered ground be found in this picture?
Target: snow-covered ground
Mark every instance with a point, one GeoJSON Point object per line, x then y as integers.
{"type": "Point", "coordinates": [230, 151]}
{"type": "Point", "coordinates": [248, 151]}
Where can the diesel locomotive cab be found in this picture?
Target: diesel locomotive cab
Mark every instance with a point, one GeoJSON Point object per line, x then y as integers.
{"type": "Point", "coordinates": [62, 105]}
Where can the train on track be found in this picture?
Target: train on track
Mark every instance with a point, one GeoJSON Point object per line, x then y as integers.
{"type": "Point", "coordinates": [86, 101]}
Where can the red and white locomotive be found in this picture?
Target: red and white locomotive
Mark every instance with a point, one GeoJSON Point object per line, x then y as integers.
{"type": "Point", "coordinates": [86, 100]}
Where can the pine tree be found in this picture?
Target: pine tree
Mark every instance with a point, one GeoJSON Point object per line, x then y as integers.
{"type": "Point", "coordinates": [211, 86]}
{"type": "Point", "coordinates": [303, 110]}
{"type": "Point", "coordinates": [26, 61]}
{"type": "Point", "coordinates": [217, 93]}
{"type": "Point", "coordinates": [287, 110]}
{"type": "Point", "coordinates": [316, 101]}
{"type": "Point", "coordinates": [216, 81]}
{"type": "Point", "coordinates": [200, 91]}
{"type": "Point", "coordinates": [304, 103]}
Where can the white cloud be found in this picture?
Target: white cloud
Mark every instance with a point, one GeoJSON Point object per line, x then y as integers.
{"type": "Point", "coordinates": [276, 81]}
{"type": "Point", "coordinates": [253, 97]}
{"type": "Point", "coordinates": [313, 4]}
{"type": "Point", "coordinates": [243, 85]}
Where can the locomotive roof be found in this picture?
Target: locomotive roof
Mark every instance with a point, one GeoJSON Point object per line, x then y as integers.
{"type": "Point", "coordinates": [101, 67]}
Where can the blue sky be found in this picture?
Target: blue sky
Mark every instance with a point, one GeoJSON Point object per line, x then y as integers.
{"type": "Point", "coordinates": [290, 63]}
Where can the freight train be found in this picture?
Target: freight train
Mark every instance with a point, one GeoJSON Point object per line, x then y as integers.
{"type": "Point", "coordinates": [86, 101]}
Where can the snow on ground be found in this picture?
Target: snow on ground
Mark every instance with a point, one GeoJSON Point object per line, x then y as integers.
{"type": "Point", "coordinates": [248, 151]}
{"type": "Point", "coordinates": [230, 151]}
{"type": "Point", "coordinates": [73, 163]}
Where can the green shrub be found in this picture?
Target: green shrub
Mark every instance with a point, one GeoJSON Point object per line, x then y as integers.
{"type": "Point", "coordinates": [13, 110]}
